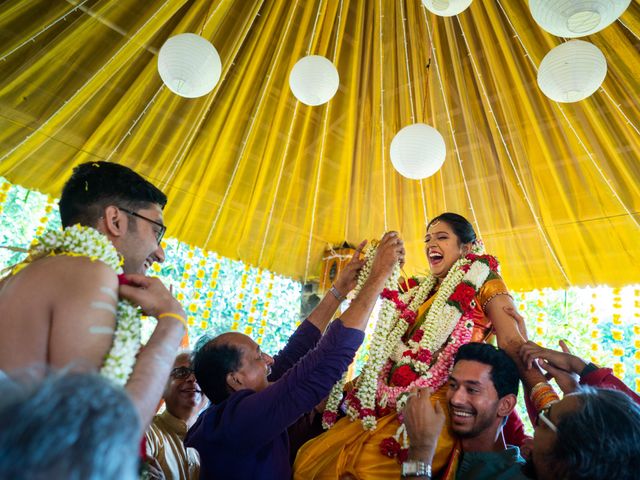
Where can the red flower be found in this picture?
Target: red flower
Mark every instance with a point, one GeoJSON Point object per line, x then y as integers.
{"type": "Point", "coordinates": [417, 336]}
{"type": "Point", "coordinates": [409, 316]}
{"type": "Point", "coordinates": [367, 412]}
{"type": "Point", "coordinates": [382, 411]}
{"type": "Point", "coordinates": [329, 417]}
{"type": "Point", "coordinates": [389, 294]}
{"type": "Point", "coordinates": [403, 455]}
{"type": "Point", "coordinates": [491, 260]}
{"type": "Point", "coordinates": [465, 268]}
{"type": "Point", "coordinates": [408, 353]}
{"type": "Point", "coordinates": [463, 294]}
{"type": "Point", "coordinates": [424, 355]}
{"type": "Point", "coordinates": [403, 376]}
{"type": "Point", "coordinates": [390, 447]}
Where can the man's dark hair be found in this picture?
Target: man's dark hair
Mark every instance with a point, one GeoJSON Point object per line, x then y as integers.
{"type": "Point", "coordinates": [599, 440]}
{"type": "Point", "coordinates": [211, 364]}
{"type": "Point", "coordinates": [95, 185]}
{"type": "Point", "coordinates": [504, 373]}
{"type": "Point", "coordinates": [460, 226]}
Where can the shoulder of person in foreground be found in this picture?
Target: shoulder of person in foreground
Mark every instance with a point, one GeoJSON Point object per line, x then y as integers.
{"type": "Point", "coordinates": [73, 299]}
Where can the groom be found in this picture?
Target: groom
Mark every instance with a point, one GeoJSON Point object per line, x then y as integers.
{"type": "Point", "coordinates": [61, 309]}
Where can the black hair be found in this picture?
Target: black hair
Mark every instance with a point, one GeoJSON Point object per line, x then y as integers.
{"type": "Point", "coordinates": [504, 372]}
{"type": "Point", "coordinates": [460, 226]}
{"type": "Point", "coordinates": [95, 185]}
{"type": "Point", "coordinates": [601, 439]}
{"type": "Point", "coordinates": [211, 363]}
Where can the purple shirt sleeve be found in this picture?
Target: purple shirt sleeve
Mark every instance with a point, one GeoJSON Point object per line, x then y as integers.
{"type": "Point", "coordinates": [257, 418]}
{"type": "Point", "coordinates": [604, 378]}
{"type": "Point", "coordinates": [306, 336]}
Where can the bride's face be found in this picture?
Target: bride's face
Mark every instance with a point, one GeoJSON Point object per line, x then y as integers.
{"type": "Point", "coordinates": [443, 248]}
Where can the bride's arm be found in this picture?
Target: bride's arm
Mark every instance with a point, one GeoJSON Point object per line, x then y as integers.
{"type": "Point", "coordinates": [510, 339]}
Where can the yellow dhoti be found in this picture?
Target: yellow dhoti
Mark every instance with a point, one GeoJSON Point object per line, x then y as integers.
{"type": "Point", "coordinates": [348, 450]}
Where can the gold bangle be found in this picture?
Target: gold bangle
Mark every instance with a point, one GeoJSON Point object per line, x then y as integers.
{"type": "Point", "coordinates": [177, 317]}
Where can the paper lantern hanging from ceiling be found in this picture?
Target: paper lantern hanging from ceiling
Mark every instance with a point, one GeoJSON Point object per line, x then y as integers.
{"type": "Point", "coordinates": [314, 80]}
{"type": "Point", "coordinates": [446, 8]}
{"type": "Point", "coordinates": [418, 151]}
{"type": "Point", "coordinates": [572, 71]}
{"type": "Point", "coordinates": [576, 18]}
{"type": "Point", "coordinates": [189, 65]}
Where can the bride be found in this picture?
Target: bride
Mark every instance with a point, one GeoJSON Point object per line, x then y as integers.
{"type": "Point", "coordinates": [413, 346]}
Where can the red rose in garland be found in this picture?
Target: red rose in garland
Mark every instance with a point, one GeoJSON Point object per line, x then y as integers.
{"type": "Point", "coordinates": [403, 376]}
{"type": "Point", "coordinates": [463, 294]}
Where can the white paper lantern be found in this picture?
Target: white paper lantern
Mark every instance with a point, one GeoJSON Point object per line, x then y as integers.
{"type": "Point", "coordinates": [314, 80]}
{"type": "Point", "coordinates": [189, 65]}
{"type": "Point", "coordinates": [576, 18]}
{"type": "Point", "coordinates": [446, 8]}
{"type": "Point", "coordinates": [572, 71]}
{"type": "Point", "coordinates": [418, 151]}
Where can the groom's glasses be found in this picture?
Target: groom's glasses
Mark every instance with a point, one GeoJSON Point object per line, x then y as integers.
{"type": "Point", "coordinates": [161, 228]}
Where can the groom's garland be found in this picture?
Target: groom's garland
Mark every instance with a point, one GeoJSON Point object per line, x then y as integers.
{"type": "Point", "coordinates": [397, 364]}
{"type": "Point", "coordinates": [84, 241]}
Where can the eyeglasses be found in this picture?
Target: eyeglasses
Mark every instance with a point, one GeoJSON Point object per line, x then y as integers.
{"type": "Point", "coordinates": [180, 373]}
{"type": "Point", "coordinates": [159, 233]}
{"type": "Point", "coordinates": [544, 416]}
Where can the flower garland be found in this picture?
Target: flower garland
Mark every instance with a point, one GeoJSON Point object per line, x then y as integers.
{"type": "Point", "coordinates": [78, 240]}
{"type": "Point", "coordinates": [397, 364]}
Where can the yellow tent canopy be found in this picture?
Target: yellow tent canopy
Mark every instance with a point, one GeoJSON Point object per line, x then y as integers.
{"type": "Point", "coordinates": [553, 189]}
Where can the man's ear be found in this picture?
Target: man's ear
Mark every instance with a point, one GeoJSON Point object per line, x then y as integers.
{"type": "Point", "coordinates": [232, 381]}
{"type": "Point", "coordinates": [114, 223]}
{"type": "Point", "coordinates": [506, 405]}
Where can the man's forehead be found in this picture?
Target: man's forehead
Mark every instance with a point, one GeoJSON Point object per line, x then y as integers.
{"type": "Point", "coordinates": [153, 211]}
{"type": "Point", "coordinates": [182, 360]}
{"type": "Point", "coordinates": [471, 371]}
{"type": "Point", "coordinates": [238, 340]}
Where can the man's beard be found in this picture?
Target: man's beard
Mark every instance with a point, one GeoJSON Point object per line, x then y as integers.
{"type": "Point", "coordinates": [529, 469]}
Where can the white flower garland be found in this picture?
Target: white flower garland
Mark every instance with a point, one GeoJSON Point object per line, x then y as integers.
{"type": "Point", "coordinates": [446, 328]}
{"type": "Point", "coordinates": [78, 240]}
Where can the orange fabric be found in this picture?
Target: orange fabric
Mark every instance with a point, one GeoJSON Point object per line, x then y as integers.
{"type": "Point", "coordinates": [349, 449]}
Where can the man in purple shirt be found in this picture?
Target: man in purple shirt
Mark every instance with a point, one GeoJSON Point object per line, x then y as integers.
{"type": "Point", "coordinates": [256, 397]}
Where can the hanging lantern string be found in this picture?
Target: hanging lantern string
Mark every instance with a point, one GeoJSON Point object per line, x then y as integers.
{"type": "Point", "coordinates": [616, 105]}
{"type": "Point", "coordinates": [578, 138]}
{"type": "Point", "coordinates": [263, 95]}
{"type": "Point", "coordinates": [413, 115]}
{"type": "Point", "coordinates": [382, 144]}
{"type": "Point", "coordinates": [63, 17]}
{"type": "Point", "coordinates": [321, 155]}
{"type": "Point", "coordinates": [206, 107]}
{"type": "Point", "coordinates": [453, 136]}
{"type": "Point", "coordinates": [286, 147]}
{"type": "Point", "coordinates": [79, 108]}
{"type": "Point", "coordinates": [511, 161]}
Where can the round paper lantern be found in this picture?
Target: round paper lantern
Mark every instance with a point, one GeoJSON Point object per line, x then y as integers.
{"type": "Point", "coordinates": [576, 18]}
{"type": "Point", "coordinates": [572, 71]}
{"type": "Point", "coordinates": [446, 8]}
{"type": "Point", "coordinates": [189, 65]}
{"type": "Point", "coordinates": [418, 151]}
{"type": "Point", "coordinates": [314, 80]}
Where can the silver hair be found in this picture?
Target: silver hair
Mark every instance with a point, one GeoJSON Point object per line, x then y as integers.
{"type": "Point", "coordinates": [69, 425]}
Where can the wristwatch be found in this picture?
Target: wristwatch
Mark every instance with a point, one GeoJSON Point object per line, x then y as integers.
{"type": "Point", "coordinates": [334, 291]}
{"type": "Point", "coordinates": [413, 468]}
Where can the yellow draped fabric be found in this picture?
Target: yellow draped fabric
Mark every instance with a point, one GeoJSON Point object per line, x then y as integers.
{"type": "Point", "coordinates": [349, 450]}
{"type": "Point", "coordinates": [553, 189]}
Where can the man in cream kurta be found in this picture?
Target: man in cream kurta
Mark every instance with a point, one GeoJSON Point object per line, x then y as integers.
{"type": "Point", "coordinates": [165, 436]}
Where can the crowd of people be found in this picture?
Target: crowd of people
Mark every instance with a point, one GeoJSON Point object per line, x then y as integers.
{"type": "Point", "coordinates": [80, 397]}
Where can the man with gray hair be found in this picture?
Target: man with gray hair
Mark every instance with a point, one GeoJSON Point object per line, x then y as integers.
{"type": "Point", "coordinates": [183, 401]}
{"type": "Point", "coordinates": [76, 426]}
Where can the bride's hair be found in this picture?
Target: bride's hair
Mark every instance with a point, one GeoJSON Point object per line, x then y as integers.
{"type": "Point", "coordinates": [460, 226]}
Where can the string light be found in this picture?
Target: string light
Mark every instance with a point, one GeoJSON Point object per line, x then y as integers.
{"type": "Point", "coordinates": [453, 136]}
{"type": "Point", "coordinates": [564, 115]}
{"type": "Point", "coordinates": [511, 162]}
{"type": "Point", "coordinates": [321, 155]}
{"type": "Point", "coordinates": [382, 144]}
{"type": "Point", "coordinates": [413, 116]}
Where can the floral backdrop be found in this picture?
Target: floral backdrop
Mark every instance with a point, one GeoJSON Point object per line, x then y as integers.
{"type": "Point", "coordinates": [600, 324]}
